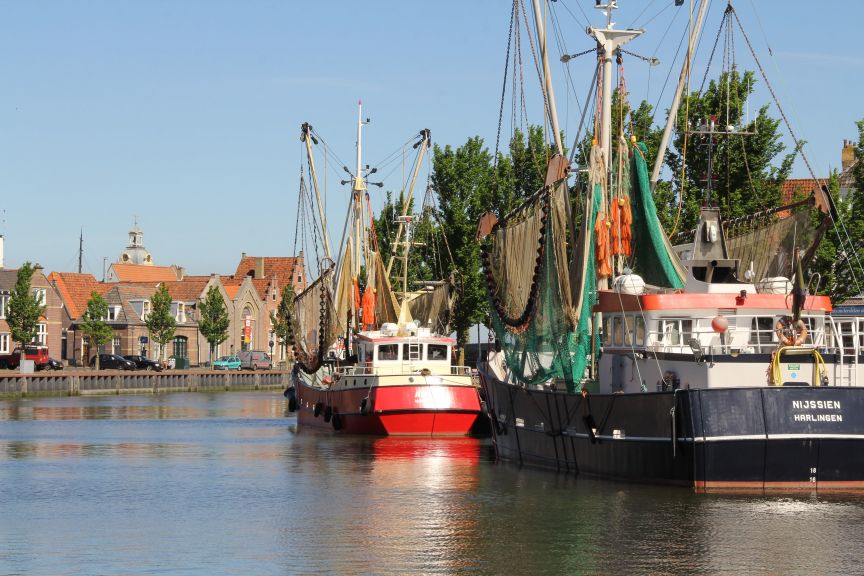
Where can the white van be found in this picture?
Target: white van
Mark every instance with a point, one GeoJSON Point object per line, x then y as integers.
{"type": "Point", "coordinates": [255, 360]}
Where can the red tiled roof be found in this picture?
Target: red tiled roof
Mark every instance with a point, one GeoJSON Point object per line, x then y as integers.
{"type": "Point", "coordinates": [231, 290]}
{"type": "Point", "coordinates": [187, 290]}
{"type": "Point", "coordinates": [799, 186]}
{"type": "Point", "coordinates": [139, 273]}
{"type": "Point", "coordinates": [282, 267]}
{"type": "Point", "coordinates": [76, 289]}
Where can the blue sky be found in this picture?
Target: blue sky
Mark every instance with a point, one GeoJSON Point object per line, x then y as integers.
{"type": "Point", "coordinates": [186, 114]}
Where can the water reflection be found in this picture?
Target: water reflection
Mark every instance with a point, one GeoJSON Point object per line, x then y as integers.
{"type": "Point", "coordinates": [226, 484]}
{"type": "Point", "coordinates": [146, 407]}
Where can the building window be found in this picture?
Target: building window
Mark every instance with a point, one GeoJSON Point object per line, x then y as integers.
{"type": "Point", "coordinates": [4, 343]}
{"type": "Point", "coordinates": [4, 303]}
{"type": "Point", "coordinates": [180, 347]}
{"type": "Point", "coordinates": [41, 334]}
{"type": "Point", "coordinates": [181, 313]}
{"type": "Point", "coordinates": [113, 312]}
{"type": "Point", "coordinates": [115, 346]}
{"type": "Point", "coordinates": [145, 309]}
{"type": "Point", "coordinates": [39, 294]}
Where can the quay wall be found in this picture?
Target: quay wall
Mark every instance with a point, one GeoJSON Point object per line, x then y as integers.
{"type": "Point", "coordinates": [65, 383]}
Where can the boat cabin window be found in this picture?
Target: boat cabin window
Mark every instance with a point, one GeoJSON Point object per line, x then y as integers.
{"type": "Point", "coordinates": [617, 332]}
{"type": "Point", "coordinates": [675, 331]}
{"type": "Point", "coordinates": [762, 330]}
{"type": "Point", "coordinates": [388, 352]}
{"type": "Point", "coordinates": [623, 330]}
{"type": "Point", "coordinates": [639, 331]}
{"type": "Point", "coordinates": [436, 351]}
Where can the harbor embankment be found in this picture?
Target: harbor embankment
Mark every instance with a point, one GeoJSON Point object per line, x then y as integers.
{"type": "Point", "coordinates": [69, 383]}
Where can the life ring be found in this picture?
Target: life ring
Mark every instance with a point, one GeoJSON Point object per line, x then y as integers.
{"type": "Point", "coordinates": [791, 334]}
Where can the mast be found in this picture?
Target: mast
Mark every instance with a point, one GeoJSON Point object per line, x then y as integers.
{"type": "Point", "coordinates": [676, 101]}
{"type": "Point", "coordinates": [80, 251]}
{"type": "Point", "coordinates": [547, 78]}
{"type": "Point", "coordinates": [308, 138]}
{"type": "Point", "coordinates": [423, 144]}
{"type": "Point", "coordinates": [359, 188]}
{"type": "Point", "coordinates": [609, 41]}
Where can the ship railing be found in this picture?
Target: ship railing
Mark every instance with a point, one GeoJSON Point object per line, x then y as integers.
{"type": "Point", "coordinates": [847, 343]}
{"type": "Point", "coordinates": [357, 370]}
{"type": "Point", "coordinates": [460, 371]}
{"type": "Point", "coordinates": [747, 334]}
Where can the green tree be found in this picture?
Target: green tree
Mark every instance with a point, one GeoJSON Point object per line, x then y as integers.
{"type": "Point", "coordinates": [463, 179]}
{"type": "Point", "coordinates": [844, 245]}
{"type": "Point", "coordinates": [428, 258]}
{"type": "Point", "coordinates": [93, 323]}
{"type": "Point", "coordinates": [160, 323]}
{"type": "Point", "coordinates": [24, 309]}
{"type": "Point", "coordinates": [281, 319]}
{"type": "Point", "coordinates": [213, 319]}
{"type": "Point", "coordinates": [744, 177]}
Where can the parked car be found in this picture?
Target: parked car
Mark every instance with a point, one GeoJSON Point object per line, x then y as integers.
{"type": "Point", "coordinates": [53, 364]}
{"type": "Point", "coordinates": [227, 363]}
{"type": "Point", "coordinates": [144, 363]}
{"type": "Point", "coordinates": [112, 362]}
{"type": "Point", "coordinates": [255, 360]}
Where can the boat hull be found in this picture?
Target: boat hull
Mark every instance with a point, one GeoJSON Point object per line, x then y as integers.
{"type": "Point", "coordinates": [751, 439]}
{"type": "Point", "coordinates": [409, 410]}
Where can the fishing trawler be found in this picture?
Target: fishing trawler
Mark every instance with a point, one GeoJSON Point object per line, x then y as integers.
{"type": "Point", "coordinates": [706, 365]}
{"type": "Point", "coordinates": [380, 363]}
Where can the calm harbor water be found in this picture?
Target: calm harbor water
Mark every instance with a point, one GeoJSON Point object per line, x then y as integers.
{"type": "Point", "coordinates": [224, 483]}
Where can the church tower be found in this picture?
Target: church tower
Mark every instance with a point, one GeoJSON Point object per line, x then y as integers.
{"type": "Point", "coordinates": [135, 253]}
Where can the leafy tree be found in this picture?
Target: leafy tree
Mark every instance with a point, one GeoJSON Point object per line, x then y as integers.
{"type": "Point", "coordinates": [428, 259]}
{"type": "Point", "coordinates": [281, 319]}
{"type": "Point", "coordinates": [844, 245]}
{"type": "Point", "coordinates": [160, 323]}
{"type": "Point", "coordinates": [463, 179]}
{"type": "Point", "coordinates": [744, 179]}
{"type": "Point", "coordinates": [213, 319]}
{"type": "Point", "coordinates": [23, 309]}
{"type": "Point", "coordinates": [93, 323]}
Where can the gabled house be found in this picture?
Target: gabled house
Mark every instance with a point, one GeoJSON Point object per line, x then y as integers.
{"type": "Point", "coordinates": [50, 326]}
{"type": "Point", "coordinates": [269, 274]}
{"type": "Point", "coordinates": [250, 324]}
{"type": "Point", "coordinates": [128, 307]}
{"type": "Point", "coordinates": [75, 290]}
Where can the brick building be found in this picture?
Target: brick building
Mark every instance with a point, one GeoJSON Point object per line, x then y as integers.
{"type": "Point", "coordinates": [50, 326]}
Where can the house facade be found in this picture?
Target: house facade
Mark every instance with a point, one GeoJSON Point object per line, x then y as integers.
{"type": "Point", "coordinates": [50, 325]}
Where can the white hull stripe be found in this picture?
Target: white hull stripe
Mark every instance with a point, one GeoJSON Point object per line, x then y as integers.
{"type": "Point", "coordinates": [722, 438]}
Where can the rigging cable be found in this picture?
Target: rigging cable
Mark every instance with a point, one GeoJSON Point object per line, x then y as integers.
{"type": "Point", "coordinates": [798, 145]}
